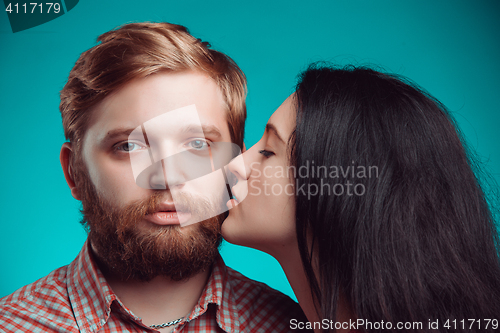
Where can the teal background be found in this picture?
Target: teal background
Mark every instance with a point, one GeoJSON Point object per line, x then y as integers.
{"type": "Point", "coordinates": [451, 48]}
{"type": "Point", "coordinates": [27, 15]}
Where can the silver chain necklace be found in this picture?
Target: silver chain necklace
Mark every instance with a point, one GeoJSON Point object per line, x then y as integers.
{"type": "Point", "coordinates": [170, 323]}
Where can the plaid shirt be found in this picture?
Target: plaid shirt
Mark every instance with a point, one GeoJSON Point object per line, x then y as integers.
{"type": "Point", "coordinates": [77, 298]}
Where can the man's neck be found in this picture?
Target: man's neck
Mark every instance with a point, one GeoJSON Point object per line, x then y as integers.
{"type": "Point", "coordinates": [159, 300]}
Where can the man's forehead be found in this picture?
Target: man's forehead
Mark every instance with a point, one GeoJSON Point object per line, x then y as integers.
{"type": "Point", "coordinates": [144, 99]}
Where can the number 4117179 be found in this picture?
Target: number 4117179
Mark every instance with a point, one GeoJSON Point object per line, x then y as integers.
{"type": "Point", "coordinates": [471, 324]}
{"type": "Point", "coordinates": [33, 7]}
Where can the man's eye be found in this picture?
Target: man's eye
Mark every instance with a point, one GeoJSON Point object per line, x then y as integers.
{"type": "Point", "coordinates": [128, 146]}
{"type": "Point", "coordinates": [198, 144]}
{"type": "Point", "coordinates": [266, 153]}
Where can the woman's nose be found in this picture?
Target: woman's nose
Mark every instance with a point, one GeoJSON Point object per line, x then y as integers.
{"type": "Point", "coordinates": [239, 167]}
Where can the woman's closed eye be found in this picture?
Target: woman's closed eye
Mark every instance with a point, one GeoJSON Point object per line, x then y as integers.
{"type": "Point", "coordinates": [266, 153]}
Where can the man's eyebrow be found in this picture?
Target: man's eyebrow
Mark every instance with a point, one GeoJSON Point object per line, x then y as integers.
{"type": "Point", "coordinates": [118, 132]}
{"type": "Point", "coordinates": [272, 128]}
{"type": "Point", "coordinates": [207, 130]}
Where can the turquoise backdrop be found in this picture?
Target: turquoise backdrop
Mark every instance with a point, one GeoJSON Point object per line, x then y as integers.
{"type": "Point", "coordinates": [451, 48]}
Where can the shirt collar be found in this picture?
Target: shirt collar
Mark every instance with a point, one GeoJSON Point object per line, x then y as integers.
{"type": "Point", "coordinates": [91, 296]}
{"type": "Point", "coordinates": [218, 291]}
{"type": "Point", "coordinates": [89, 293]}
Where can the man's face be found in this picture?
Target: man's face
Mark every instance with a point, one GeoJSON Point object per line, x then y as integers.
{"type": "Point", "coordinates": [105, 142]}
{"type": "Point", "coordinates": [115, 206]}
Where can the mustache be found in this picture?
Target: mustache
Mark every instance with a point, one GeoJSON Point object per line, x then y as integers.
{"type": "Point", "coordinates": [183, 202]}
{"type": "Point", "coordinates": [198, 206]}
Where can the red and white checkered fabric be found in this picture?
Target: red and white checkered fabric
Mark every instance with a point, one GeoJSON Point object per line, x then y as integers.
{"type": "Point", "coordinates": [77, 298]}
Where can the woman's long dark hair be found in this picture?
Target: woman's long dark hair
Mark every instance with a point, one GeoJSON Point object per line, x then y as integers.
{"type": "Point", "coordinates": [415, 240]}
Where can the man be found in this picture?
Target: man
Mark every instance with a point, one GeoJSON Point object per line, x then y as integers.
{"type": "Point", "coordinates": [144, 111]}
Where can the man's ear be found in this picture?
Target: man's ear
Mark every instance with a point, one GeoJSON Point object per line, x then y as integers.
{"type": "Point", "coordinates": [65, 158]}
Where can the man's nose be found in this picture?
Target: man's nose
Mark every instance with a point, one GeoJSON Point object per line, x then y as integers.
{"type": "Point", "coordinates": [161, 175]}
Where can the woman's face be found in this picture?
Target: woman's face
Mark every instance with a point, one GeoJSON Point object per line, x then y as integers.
{"type": "Point", "coordinates": [265, 219]}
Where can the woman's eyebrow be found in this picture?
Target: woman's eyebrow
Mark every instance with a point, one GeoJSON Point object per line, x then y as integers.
{"type": "Point", "coordinates": [272, 128]}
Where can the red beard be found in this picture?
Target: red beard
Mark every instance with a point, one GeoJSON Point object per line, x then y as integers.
{"type": "Point", "coordinates": [132, 253]}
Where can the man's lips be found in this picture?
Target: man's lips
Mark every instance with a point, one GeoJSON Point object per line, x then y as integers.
{"type": "Point", "coordinates": [167, 214]}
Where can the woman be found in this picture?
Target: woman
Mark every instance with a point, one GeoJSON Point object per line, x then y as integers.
{"type": "Point", "coordinates": [362, 189]}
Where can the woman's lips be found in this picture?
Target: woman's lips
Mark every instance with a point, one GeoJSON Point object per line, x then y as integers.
{"type": "Point", "coordinates": [233, 202]}
{"type": "Point", "coordinates": [168, 218]}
